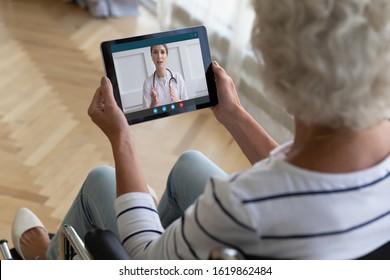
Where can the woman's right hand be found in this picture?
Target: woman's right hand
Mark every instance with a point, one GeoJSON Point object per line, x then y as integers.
{"type": "Point", "coordinates": [106, 114]}
{"type": "Point", "coordinates": [229, 105]}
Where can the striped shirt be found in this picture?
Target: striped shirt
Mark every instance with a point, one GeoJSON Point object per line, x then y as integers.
{"type": "Point", "coordinates": [274, 209]}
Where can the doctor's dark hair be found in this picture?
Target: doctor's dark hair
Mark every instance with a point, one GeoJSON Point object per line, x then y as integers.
{"type": "Point", "coordinates": [327, 62]}
{"type": "Point", "coordinates": [164, 45]}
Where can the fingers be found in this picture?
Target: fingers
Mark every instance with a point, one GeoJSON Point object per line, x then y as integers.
{"type": "Point", "coordinates": [172, 93]}
{"type": "Point", "coordinates": [153, 92]}
{"type": "Point", "coordinates": [96, 102]}
{"type": "Point", "coordinates": [153, 95]}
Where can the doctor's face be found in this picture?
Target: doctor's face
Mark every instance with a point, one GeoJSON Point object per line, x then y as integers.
{"type": "Point", "coordinates": [159, 56]}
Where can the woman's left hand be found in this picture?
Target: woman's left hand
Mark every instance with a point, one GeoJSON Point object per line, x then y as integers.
{"type": "Point", "coordinates": [106, 114]}
{"type": "Point", "coordinates": [173, 95]}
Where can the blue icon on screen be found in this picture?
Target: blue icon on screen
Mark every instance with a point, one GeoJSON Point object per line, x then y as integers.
{"type": "Point", "coordinates": [164, 108]}
{"type": "Point", "coordinates": [155, 110]}
{"type": "Point", "coordinates": [173, 106]}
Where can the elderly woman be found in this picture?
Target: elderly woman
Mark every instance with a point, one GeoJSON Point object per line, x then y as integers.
{"type": "Point", "coordinates": [325, 195]}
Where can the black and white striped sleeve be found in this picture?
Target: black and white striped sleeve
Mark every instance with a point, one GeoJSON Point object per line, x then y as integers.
{"type": "Point", "coordinates": [138, 222]}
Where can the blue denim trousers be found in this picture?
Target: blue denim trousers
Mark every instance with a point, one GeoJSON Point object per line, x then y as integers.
{"type": "Point", "coordinates": [94, 204]}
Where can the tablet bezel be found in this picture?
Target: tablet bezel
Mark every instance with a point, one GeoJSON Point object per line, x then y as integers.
{"type": "Point", "coordinates": [165, 37]}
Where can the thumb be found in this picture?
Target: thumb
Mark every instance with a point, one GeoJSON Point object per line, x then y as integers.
{"type": "Point", "coordinates": [220, 74]}
{"type": "Point", "coordinates": [107, 91]}
{"type": "Point", "coordinates": [218, 70]}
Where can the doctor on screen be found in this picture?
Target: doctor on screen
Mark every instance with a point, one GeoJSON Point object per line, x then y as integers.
{"type": "Point", "coordinates": [163, 86]}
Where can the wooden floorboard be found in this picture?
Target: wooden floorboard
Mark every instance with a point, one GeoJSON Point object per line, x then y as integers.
{"type": "Point", "coordinates": [50, 66]}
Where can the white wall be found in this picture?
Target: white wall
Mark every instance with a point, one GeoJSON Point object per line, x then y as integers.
{"type": "Point", "coordinates": [134, 66]}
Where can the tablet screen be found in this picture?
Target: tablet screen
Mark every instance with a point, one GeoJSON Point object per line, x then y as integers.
{"type": "Point", "coordinates": [161, 74]}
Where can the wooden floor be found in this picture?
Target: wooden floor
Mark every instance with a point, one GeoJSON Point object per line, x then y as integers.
{"type": "Point", "coordinates": [50, 67]}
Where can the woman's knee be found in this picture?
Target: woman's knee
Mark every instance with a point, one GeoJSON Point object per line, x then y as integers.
{"type": "Point", "coordinates": [196, 164]}
{"type": "Point", "coordinates": [192, 170]}
{"type": "Point", "coordinates": [101, 171]}
{"type": "Point", "coordinates": [102, 179]}
{"type": "Point", "coordinates": [188, 159]}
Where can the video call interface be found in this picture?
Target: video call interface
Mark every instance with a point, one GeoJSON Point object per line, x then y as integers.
{"type": "Point", "coordinates": [136, 76]}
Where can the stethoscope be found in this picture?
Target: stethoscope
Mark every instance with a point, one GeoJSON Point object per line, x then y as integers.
{"type": "Point", "coordinates": [170, 80]}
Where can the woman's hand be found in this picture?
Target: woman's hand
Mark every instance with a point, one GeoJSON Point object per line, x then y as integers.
{"type": "Point", "coordinates": [153, 95]}
{"type": "Point", "coordinates": [253, 140]}
{"type": "Point", "coordinates": [172, 94]}
{"type": "Point", "coordinates": [106, 114]}
{"type": "Point", "coordinates": [229, 104]}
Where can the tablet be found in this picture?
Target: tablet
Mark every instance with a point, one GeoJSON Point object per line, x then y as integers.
{"type": "Point", "coordinates": [161, 74]}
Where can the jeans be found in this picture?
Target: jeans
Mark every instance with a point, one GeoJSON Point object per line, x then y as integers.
{"type": "Point", "coordinates": [94, 204]}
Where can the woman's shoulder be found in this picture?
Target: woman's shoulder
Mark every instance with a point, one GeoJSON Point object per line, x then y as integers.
{"type": "Point", "coordinates": [177, 75]}
{"type": "Point", "coordinates": [148, 80]}
{"type": "Point", "coordinates": [275, 175]}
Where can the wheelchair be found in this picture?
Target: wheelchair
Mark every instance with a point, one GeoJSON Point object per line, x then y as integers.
{"type": "Point", "coordinates": [102, 244]}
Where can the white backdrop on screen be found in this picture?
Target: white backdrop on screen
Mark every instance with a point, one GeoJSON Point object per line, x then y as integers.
{"type": "Point", "coordinates": [134, 66]}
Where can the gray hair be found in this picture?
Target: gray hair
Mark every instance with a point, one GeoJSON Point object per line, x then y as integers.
{"type": "Point", "coordinates": [327, 62]}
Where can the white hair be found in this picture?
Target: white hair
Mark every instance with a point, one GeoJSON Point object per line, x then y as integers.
{"type": "Point", "coordinates": [327, 62]}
